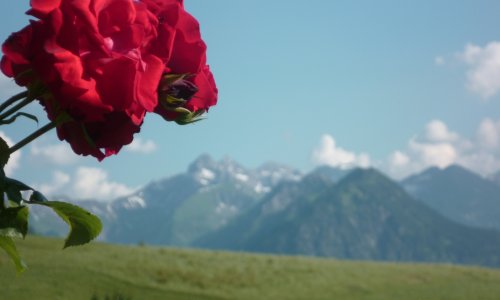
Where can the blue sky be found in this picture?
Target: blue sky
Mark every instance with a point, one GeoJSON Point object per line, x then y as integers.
{"type": "Point", "coordinates": [399, 85]}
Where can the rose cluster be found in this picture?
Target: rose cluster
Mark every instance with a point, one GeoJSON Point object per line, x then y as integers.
{"type": "Point", "coordinates": [98, 66]}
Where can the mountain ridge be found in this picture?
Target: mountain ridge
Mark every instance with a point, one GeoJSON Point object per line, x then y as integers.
{"type": "Point", "coordinates": [275, 204]}
{"type": "Point", "coordinates": [459, 194]}
{"type": "Point", "coordinates": [358, 219]}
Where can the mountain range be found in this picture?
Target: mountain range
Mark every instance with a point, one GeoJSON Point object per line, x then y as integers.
{"type": "Point", "coordinates": [438, 215]}
{"type": "Point", "coordinates": [364, 216]}
{"type": "Point", "coordinates": [178, 209]}
{"type": "Point", "coordinates": [459, 194]}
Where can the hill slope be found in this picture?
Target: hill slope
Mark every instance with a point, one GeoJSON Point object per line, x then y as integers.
{"type": "Point", "coordinates": [178, 209]}
{"type": "Point", "coordinates": [459, 194]}
{"type": "Point", "coordinates": [160, 273]}
{"type": "Point", "coordinates": [364, 216]}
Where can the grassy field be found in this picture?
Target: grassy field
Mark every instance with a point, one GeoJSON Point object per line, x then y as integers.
{"type": "Point", "coordinates": [99, 270]}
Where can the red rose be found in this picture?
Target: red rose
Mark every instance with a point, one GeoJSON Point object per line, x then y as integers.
{"type": "Point", "coordinates": [87, 138]}
{"type": "Point", "coordinates": [187, 57]}
{"type": "Point", "coordinates": [207, 93]}
{"type": "Point", "coordinates": [92, 57]}
{"type": "Point", "coordinates": [101, 63]}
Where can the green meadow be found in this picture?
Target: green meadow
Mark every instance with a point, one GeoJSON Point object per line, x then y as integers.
{"type": "Point", "coordinates": [103, 271]}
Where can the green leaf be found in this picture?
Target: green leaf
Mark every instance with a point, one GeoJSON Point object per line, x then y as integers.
{"type": "Point", "coordinates": [171, 100]}
{"type": "Point", "coordinates": [171, 78]}
{"type": "Point", "coordinates": [4, 152]}
{"type": "Point", "coordinates": [189, 118]}
{"type": "Point", "coordinates": [13, 189]}
{"type": "Point", "coordinates": [13, 194]}
{"type": "Point", "coordinates": [37, 197]}
{"type": "Point", "coordinates": [14, 221]}
{"type": "Point", "coordinates": [84, 226]}
{"type": "Point", "coordinates": [17, 184]}
{"type": "Point", "coordinates": [8, 245]}
{"type": "Point", "coordinates": [182, 110]}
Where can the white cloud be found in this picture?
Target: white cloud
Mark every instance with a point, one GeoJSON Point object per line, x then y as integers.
{"type": "Point", "coordinates": [483, 162]}
{"type": "Point", "coordinates": [483, 77]}
{"type": "Point", "coordinates": [328, 153]}
{"type": "Point", "coordinates": [140, 146]}
{"type": "Point", "coordinates": [399, 164]}
{"type": "Point", "coordinates": [93, 183]}
{"type": "Point", "coordinates": [434, 154]}
{"type": "Point", "coordinates": [85, 183]}
{"type": "Point", "coordinates": [59, 181]}
{"type": "Point", "coordinates": [437, 131]}
{"type": "Point", "coordinates": [489, 134]}
{"type": "Point", "coordinates": [399, 159]}
{"type": "Point", "coordinates": [59, 154]}
{"type": "Point", "coordinates": [13, 163]}
{"type": "Point", "coordinates": [438, 146]}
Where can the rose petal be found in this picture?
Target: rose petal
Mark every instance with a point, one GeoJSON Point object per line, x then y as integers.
{"type": "Point", "coordinates": [42, 7]}
{"type": "Point", "coordinates": [189, 51]}
{"type": "Point", "coordinates": [148, 84]}
{"type": "Point", "coordinates": [118, 82]}
{"type": "Point", "coordinates": [207, 91]}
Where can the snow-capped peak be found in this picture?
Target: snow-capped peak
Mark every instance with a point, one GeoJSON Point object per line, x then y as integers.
{"type": "Point", "coordinates": [205, 176]}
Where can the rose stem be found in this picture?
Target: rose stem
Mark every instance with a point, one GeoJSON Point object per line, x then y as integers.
{"type": "Point", "coordinates": [13, 99]}
{"type": "Point", "coordinates": [32, 137]}
{"type": "Point", "coordinates": [16, 108]}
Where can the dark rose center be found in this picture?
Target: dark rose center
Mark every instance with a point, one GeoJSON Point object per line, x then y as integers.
{"type": "Point", "coordinates": [182, 89]}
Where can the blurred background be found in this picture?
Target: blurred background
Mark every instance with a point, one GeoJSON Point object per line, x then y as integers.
{"type": "Point", "coordinates": [400, 86]}
{"type": "Point", "coordinates": [354, 130]}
